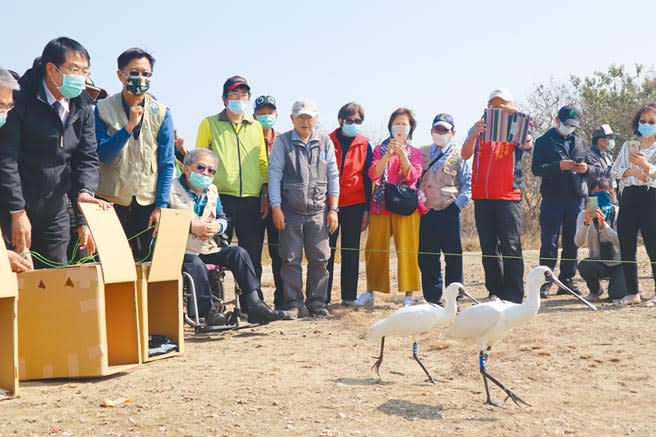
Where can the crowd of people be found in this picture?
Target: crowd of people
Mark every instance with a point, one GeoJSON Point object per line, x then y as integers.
{"type": "Point", "coordinates": [63, 142]}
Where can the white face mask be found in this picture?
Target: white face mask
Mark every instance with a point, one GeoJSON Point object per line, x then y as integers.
{"type": "Point", "coordinates": [611, 144]}
{"type": "Point", "coordinates": [565, 130]}
{"type": "Point", "coordinates": [441, 139]}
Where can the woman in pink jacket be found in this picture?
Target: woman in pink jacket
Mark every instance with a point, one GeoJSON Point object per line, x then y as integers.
{"type": "Point", "coordinates": [394, 161]}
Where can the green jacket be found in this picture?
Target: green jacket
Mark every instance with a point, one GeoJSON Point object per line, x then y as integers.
{"type": "Point", "coordinates": [241, 151]}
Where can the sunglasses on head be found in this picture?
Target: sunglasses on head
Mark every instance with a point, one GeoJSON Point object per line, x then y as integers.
{"type": "Point", "coordinates": [202, 168]}
{"type": "Point", "coordinates": [262, 100]}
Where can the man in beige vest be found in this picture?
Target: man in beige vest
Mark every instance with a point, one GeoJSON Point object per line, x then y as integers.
{"type": "Point", "coordinates": [135, 145]}
{"type": "Point", "coordinates": [446, 183]}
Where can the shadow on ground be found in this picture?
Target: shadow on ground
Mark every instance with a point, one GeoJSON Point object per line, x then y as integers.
{"type": "Point", "coordinates": [410, 410]}
{"type": "Point", "coordinates": [361, 381]}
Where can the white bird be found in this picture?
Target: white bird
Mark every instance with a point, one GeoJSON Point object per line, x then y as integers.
{"type": "Point", "coordinates": [486, 324]}
{"type": "Point", "coordinates": [414, 320]}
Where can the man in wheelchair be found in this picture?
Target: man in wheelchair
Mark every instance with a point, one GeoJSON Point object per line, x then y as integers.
{"type": "Point", "coordinates": [194, 190]}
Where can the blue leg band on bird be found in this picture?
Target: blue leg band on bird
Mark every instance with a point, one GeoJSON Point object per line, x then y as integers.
{"type": "Point", "coordinates": [482, 358]}
{"type": "Point", "coordinates": [415, 348]}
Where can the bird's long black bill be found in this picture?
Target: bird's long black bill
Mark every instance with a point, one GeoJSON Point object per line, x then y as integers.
{"type": "Point", "coordinates": [564, 287]}
{"type": "Point", "coordinates": [470, 296]}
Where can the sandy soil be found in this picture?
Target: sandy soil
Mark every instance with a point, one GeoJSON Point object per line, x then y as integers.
{"type": "Point", "coordinates": [584, 373]}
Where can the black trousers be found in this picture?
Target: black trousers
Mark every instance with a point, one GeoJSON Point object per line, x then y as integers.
{"type": "Point", "coordinates": [235, 259]}
{"type": "Point", "coordinates": [637, 213]}
{"type": "Point", "coordinates": [134, 219]}
{"type": "Point", "coordinates": [592, 271]}
{"type": "Point", "coordinates": [499, 226]}
{"type": "Point", "coordinates": [439, 232]}
{"type": "Point", "coordinates": [50, 232]}
{"type": "Point", "coordinates": [350, 220]}
{"type": "Point", "coordinates": [245, 220]}
{"type": "Point", "coordinates": [273, 239]}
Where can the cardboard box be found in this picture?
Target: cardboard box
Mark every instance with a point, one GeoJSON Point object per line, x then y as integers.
{"type": "Point", "coordinates": [81, 321]}
{"type": "Point", "coordinates": [159, 284]}
{"type": "Point", "coordinates": [8, 325]}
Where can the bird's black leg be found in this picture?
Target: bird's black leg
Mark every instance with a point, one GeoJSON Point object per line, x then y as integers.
{"type": "Point", "coordinates": [414, 355]}
{"type": "Point", "coordinates": [516, 399]}
{"type": "Point", "coordinates": [379, 361]}
{"type": "Point", "coordinates": [482, 357]}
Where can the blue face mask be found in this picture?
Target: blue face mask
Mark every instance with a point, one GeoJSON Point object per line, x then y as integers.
{"type": "Point", "coordinates": [351, 130]}
{"type": "Point", "coordinates": [72, 85]}
{"type": "Point", "coordinates": [266, 120]}
{"type": "Point", "coordinates": [237, 106]}
{"type": "Point", "coordinates": [199, 181]}
{"type": "Point", "coordinates": [3, 118]}
{"type": "Point", "coordinates": [646, 129]}
{"type": "Point", "coordinates": [605, 203]}
{"type": "Point", "coordinates": [406, 130]}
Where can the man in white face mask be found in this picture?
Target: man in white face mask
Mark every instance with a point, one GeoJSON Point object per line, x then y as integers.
{"type": "Point", "coordinates": [559, 159]}
{"type": "Point", "coordinates": [600, 155]}
{"type": "Point", "coordinates": [446, 184]}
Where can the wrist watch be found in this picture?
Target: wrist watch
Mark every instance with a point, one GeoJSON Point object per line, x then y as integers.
{"type": "Point", "coordinates": [334, 208]}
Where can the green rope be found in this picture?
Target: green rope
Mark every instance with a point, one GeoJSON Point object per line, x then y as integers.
{"type": "Point", "coordinates": [60, 265]}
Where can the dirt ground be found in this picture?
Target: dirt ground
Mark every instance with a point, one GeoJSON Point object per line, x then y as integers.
{"type": "Point", "coordinates": [584, 373]}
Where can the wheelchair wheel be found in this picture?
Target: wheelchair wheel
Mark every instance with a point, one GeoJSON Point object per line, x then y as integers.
{"type": "Point", "coordinates": [216, 278]}
{"type": "Point", "coordinates": [189, 303]}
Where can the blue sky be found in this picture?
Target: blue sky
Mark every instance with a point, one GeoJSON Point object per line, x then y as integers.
{"type": "Point", "coordinates": [432, 56]}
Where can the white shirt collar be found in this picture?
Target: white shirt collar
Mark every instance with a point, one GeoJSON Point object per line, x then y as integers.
{"type": "Point", "coordinates": [51, 99]}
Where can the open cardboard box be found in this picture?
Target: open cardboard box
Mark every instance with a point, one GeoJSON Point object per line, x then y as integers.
{"type": "Point", "coordinates": [159, 284]}
{"type": "Point", "coordinates": [81, 321]}
{"type": "Point", "coordinates": [8, 325]}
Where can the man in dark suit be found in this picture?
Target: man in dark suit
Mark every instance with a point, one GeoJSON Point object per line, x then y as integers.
{"type": "Point", "coordinates": [48, 154]}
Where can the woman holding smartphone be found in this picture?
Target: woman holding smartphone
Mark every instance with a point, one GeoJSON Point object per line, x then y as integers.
{"type": "Point", "coordinates": [394, 161]}
{"type": "Point", "coordinates": [636, 169]}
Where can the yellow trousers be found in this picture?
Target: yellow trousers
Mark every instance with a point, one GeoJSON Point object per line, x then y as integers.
{"type": "Point", "coordinates": [405, 230]}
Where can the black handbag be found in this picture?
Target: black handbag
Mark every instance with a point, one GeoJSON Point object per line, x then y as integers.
{"type": "Point", "coordinates": [400, 199]}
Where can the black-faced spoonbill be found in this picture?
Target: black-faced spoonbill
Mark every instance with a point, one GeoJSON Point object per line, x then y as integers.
{"type": "Point", "coordinates": [486, 324]}
{"type": "Point", "coordinates": [414, 320]}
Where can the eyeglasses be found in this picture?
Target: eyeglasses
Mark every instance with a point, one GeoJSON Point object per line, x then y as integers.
{"type": "Point", "coordinates": [74, 70]}
{"type": "Point", "coordinates": [140, 73]}
{"type": "Point", "coordinates": [238, 95]}
{"type": "Point", "coordinates": [351, 121]}
{"type": "Point", "coordinates": [6, 108]}
{"type": "Point", "coordinates": [202, 168]}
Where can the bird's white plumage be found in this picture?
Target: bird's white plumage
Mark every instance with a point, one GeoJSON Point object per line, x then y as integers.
{"type": "Point", "coordinates": [487, 323]}
{"type": "Point", "coordinates": [414, 320]}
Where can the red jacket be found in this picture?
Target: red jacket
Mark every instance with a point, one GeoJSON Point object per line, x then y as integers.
{"type": "Point", "coordinates": [496, 171]}
{"type": "Point", "coordinates": [353, 170]}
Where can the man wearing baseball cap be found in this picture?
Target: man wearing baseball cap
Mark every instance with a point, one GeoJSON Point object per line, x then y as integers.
{"type": "Point", "coordinates": [599, 157]}
{"type": "Point", "coordinates": [559, 159]}
{"type": "Point", "coordinates": [241, 176]}
{"type": "Point", "coordinates": [266, 113]}
{"type": "Point", "coordinates": [446, 183]}
{"type": "Point", "coordinates": [496, 190]}
{"type": "Point", "coordinates": [305, 210]}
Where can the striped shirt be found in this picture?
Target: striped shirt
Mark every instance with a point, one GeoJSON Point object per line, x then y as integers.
{"type": "Point", "coordinates": [622, 164]}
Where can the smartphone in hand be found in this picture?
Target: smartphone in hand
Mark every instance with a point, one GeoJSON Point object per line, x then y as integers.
{"type": "Point", "coordinates": [399, 135]}
{"type": "Point", "coordinates": [634, 145]}
{"type": "Point", "coordinates": [593, 203]}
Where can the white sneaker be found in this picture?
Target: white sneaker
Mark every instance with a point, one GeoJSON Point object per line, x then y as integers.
{"type": "Point", "coordinates": [365, 299]}
{"type": "Point", "coordinates": [408, 300]}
